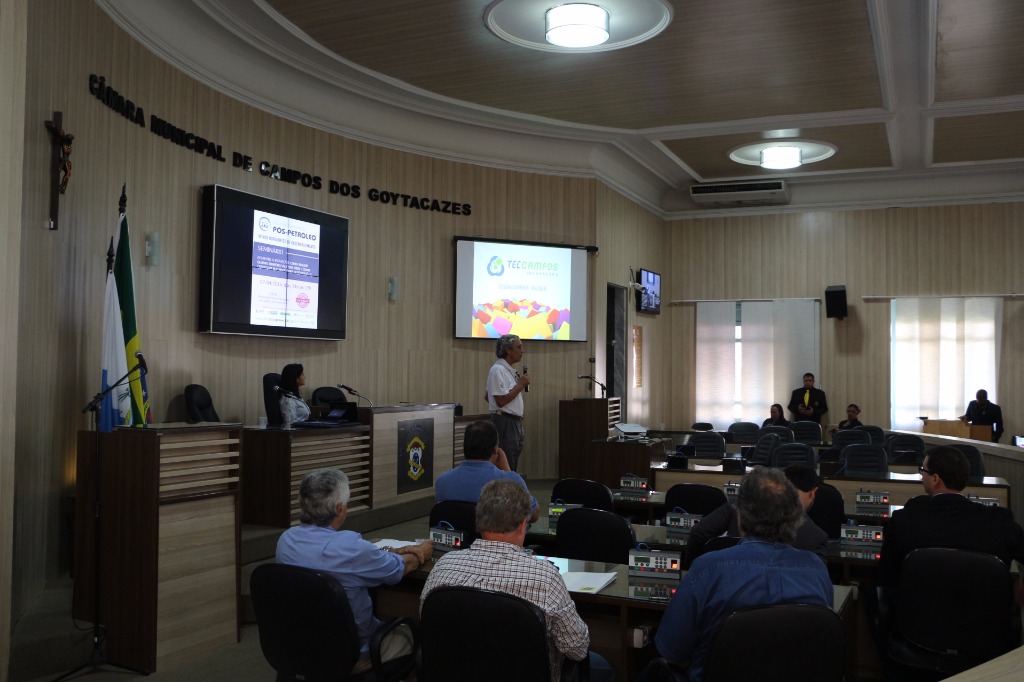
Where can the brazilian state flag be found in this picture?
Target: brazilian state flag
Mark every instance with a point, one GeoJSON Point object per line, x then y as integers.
{"type": "Point", "coordinates": [141, 413]}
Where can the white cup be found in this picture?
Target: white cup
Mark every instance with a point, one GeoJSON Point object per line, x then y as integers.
{"type": "Point", "coordinates": [263, 422]}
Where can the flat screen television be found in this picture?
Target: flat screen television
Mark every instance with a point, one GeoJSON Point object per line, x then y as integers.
{"type": "Point", "coordinates": [648, 295]}
{"type": "Point", "coordinates": [271, 269]}
{"type": "Point", "coordinates": [534, 290]}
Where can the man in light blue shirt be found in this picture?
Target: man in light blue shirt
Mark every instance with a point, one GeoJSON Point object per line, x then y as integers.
{"type": "Point", "coordinates": [485, 462]}
{"type": "Point", "coordinates": [763, 569]}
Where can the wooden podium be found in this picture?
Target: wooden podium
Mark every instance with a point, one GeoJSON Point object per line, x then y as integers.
{"type": "Point", "coordinates": [958, 429]}
{"type": "Point", "coordinates": [580, 422]}
{"type": "Point", "coordinates": [169, 531]}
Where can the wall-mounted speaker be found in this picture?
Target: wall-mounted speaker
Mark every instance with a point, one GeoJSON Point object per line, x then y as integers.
{"type": "Point", "coordinates": [835, 301]}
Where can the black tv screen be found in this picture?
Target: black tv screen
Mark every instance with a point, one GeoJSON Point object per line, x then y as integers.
{"type": "Point", "coordinates": [535, 291]}
{"type": "Point", "coordinates": [648, 296]}
{"type": "Point", "coordinates": [271, 269]}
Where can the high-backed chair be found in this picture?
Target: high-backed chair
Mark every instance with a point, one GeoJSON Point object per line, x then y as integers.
{"type": "Point", "coordinates": [327, 396]}
{"type": "Point", "coordinates": [792, 453]}
{"type": "Point", "coordinates": [707, 444]}
{"type": "Point", "coordinates": [828, 511]}
{"type": "Point", "coordinates": [875, 432]}
{"type": "Point", "coordinates": [582, 491]}
{"type": "Point", "coordinates": [474, 635]}
{"type": "Point", "coordinates": [199, 404]}
{"type": "Point", "coordinates": [904, 448]}
{"type": "Point", "coordinates": [702, 426]}
{"type": "Point", "coordinates": [272, 399]}
{"type": "Point", "coordinates": [784, 433]}
{"type": "Point", "coordinates": [459, 515]}
{"type": "Point", "coordinates": [863, 459]}
{"type": "Point", "coordinates": [762, 453]}
{"type": "Point", "coordinates": [778, 643]}
{"type": "Point", "coordinates": [743, 433]}
{"type": "Point", "coordinates": [694, 498]}
{"type": "Point", "coordinates": [974, 621]}
{"type": "Point", "coordinates": [806, 432]}
{"type": "Point", "coordinates": [974, 458]}
{"type": "Point", "coordinates": [307, 631]}
{"type": "Point", "coordinates": [594, 535]}
{"type": "Point", "coordinates": [840, 439]}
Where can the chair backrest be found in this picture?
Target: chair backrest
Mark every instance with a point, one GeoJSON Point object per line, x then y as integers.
{"type": "Point", "coordinates": [782, 642]}
{"type": "Point", "coordinates": [792, 453]}
{"type": "Point", "coordinates": [784, 433]}
{"type": "Point", "coordinates": [272, 399]}
{"type": "Point", "coordinates": [305, 622]}
{"type": "Point", "coordinates": [743, 433]}
{"type": "Point", "coordinates": [904, 448]}
{"type": "Point", "coordinates": [460, 515]}
{"type": "Point", "coordinates": [199, 404]}
{"type": "Point", "coordinates": [762, 453]}
{"type": "Point", "coordinates": [828, 511]}
{"type": "Point", "coordinates": [702, 426]}
{"type": "Point", "coordinates": [328, 396]}
{"type": "Point", "coordinates": [875, 432]}
{"type": "Point", "coordinates": [974, 458]}
{"type": "Point", "coordinates": [707, 444]}
{"type": "Point", "coordinates": [594, 535]}
{"type": "Point", "coordinates": [806, 432]}
{"type": "Point", "coordinates": [957, 603]}
{"type": "Point", "coordinates": [863, 459]}
{"type": "Point", "coordinates": [581, 491]}
{"type": "Point", "coordinates": [840, 439]}
{"type": "Point", "coordinates": [694, 498]}
{"type": "Point", "coordinates": [477, 635]}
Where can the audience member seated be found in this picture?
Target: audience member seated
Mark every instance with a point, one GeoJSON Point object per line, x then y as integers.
{"type": "Point", "coordinates": [485, 462]}
{"type": "Point", "coordinates": [497, 561]}
{"type": "Point", "coordinates": [318, 542]}
{"type": "Point", "coordinates": [777, 418]}
{"type": "Point", "coordinates": [763, 569]}
{"type": "Point", "coordinates": [723, 519]}
{"type": "Point", "coordinates": [852, 421]}
{"type": "Point", "coordinates": [293, 407]}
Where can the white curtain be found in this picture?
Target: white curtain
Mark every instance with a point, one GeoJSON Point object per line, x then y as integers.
{"type": "Point", "coordinates": [779, 342]}
{"type": "Point", "coordinates": [943, 351]}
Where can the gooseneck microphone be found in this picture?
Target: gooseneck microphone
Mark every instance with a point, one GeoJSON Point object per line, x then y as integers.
{"type": "Point", "coordinates": [142, 362]}
{"type": "Point", "coordinates": [355, 393]}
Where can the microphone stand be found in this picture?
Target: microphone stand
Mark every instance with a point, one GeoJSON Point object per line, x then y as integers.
{"type": "Point", "coordinates": [96, 657]}
{"type": "Point", "coordinates": [360, 395]}
{"type": "Point", "coordinates": [593, 381]}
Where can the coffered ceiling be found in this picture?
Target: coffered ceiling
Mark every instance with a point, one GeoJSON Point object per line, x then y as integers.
{"type": "Point", "coordinates": [923, 99]}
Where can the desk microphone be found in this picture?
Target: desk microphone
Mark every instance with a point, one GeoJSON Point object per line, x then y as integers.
{"type": "Point", "coordinates": [349, 389]}
{"type": "Point", "coordinates": [526, 370]}
{"type": "Point", "coordinates": [142, 362]}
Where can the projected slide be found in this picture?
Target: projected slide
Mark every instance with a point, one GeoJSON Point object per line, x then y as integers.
{"type": "Point", "coordinates": [285, 272]}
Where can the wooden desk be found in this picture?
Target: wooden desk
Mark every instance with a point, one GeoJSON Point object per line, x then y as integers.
{"type": "Point", "coordinates": [581, 421]}
{"type": "Point", "coordinates": [958, 429]}
{"type": "Point", "coordinates": [1009, 667]}
{"type": "Point", "coordinates": [611, 459]}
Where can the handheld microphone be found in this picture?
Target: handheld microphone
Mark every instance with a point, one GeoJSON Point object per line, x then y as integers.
{"type": "Point", "coordinates": [142, 362]}
{"type": "Point", "coordinates": [526, 370]}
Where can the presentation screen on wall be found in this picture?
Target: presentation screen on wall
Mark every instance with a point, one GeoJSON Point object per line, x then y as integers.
{"type": "Point", "coordinates": [536, 291]}
{"type": "Point", "coordinates": [271, 268]}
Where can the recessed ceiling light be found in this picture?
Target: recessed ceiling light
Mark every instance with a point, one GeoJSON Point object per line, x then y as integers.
{"type": "Point", "coordinates": [782, 154]}
{"type": "Point", "coordinates": [576, 24]}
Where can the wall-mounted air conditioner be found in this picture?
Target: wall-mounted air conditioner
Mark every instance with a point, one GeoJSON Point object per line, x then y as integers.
{"type": "Point", "coordinates": [754, 193]}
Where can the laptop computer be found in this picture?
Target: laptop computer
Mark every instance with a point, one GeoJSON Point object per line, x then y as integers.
{"type": "Point", "coordinates": [344, 414]}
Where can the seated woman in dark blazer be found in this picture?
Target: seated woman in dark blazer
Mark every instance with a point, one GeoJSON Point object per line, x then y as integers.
{"type": "Point", "coordinates": [851, 421]}
{"type": "Point", "coordinates": [778, 417]}
{"type": "Point", "coordinates": [293, 407]}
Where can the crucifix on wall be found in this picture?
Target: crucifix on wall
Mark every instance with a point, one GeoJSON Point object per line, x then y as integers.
{"type": "Point", "coordinates": [61, 166]}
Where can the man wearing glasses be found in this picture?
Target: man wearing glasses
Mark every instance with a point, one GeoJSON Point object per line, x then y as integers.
{"type": "Point", "coordinates": [944, 517]}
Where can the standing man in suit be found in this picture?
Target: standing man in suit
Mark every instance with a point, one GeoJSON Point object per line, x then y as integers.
{"type": "Point", "coordinates": [504, 394]}
{"type": "Point", "coordinates": [808, 403]}
{"type": "Point", "coordinates": [985, 413]}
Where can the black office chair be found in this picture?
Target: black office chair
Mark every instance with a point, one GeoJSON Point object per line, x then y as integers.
{"type": "Point", "coordinates": [694, 498]}
{"type": "Point", "coordinates": [474, 635]}
{"type": "Point", "coordinates": [594, 535]}
{"type": "Point", "coordinates": [459, 515]}
{"type": "Point", "coordinates": [272, 398]}
{"type": "Point", "coordinates": [707, 444]}
{"type": "Point", "coordinates": [762, 452]}
{"type": "Point", "coordinates": [328, 396]}
{"type": "Point", "coordinates": [792, 453]}
{"type": "Point", "coordinates": [742, 433]}
{"type": "Point", "coordinates": [777, 643]}
{"type": "Point", "coordinates": [829, 510]}
{"type": "Point", "coordinates": [876, 433]}
{"type": "Point", "coordinates": [806, 432]}
{"type": "Point", "coordinates": [581, 491]}
{"type": "Point", "coordinates": [840, 439]}
{"type": "Point", "coordinates": [702, 426]}
{"type": "Point", "coordinates": [974, 458]}
{"type": "Point", "coordinates": [863, 459]}
{"type": "Point", "coordinates": [199, 404]}
{"type": "Point", "coordinates": [955, 611]}
{"type": "Point", "coordinates": [660, 670]}
{"type": "Point", "coordinates": [784, 433]}
{"type": "Point", "coordinates": [904, 448]}
{"type": "Point", "coordinates": [307, 631]}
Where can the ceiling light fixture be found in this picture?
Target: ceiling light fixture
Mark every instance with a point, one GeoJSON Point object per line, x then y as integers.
{"type": "Point", "coordinates": [576, 25]}
{"type": "Point", "coordinates": [782, 154]}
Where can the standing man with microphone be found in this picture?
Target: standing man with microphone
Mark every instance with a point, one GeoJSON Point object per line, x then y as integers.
{"type": "Point", "coordinates": [504, 395]}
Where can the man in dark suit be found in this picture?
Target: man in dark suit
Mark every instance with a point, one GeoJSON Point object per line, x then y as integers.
{"type": "Point", "coordinates": [985, 413]}
{"type": "Point", "coordinates": [945, 518]}
{"type": "Point", "coordinates": [808, 403]}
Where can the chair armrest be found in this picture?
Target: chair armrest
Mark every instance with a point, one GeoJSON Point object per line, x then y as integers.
{"type": "Point", "coordinates": [377, 639]}
{"type": "Point", "coordinates": [575, 671]}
